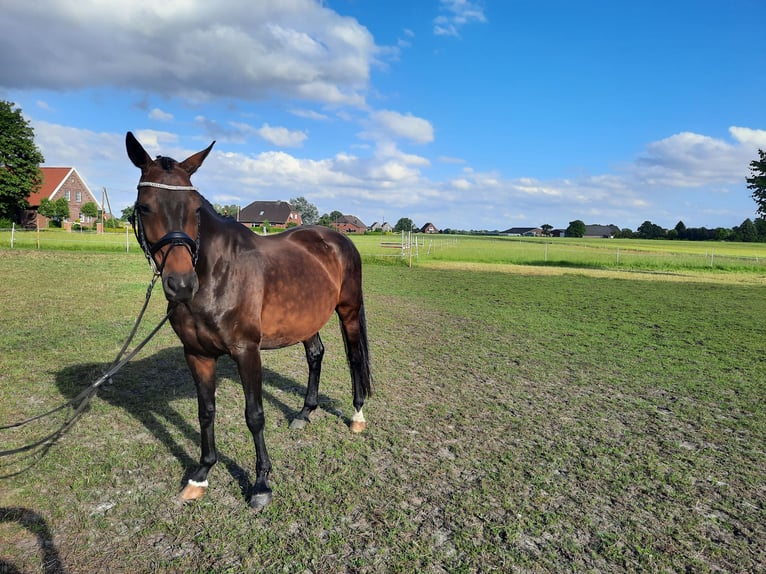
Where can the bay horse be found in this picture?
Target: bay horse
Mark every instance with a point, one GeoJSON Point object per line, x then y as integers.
{"type": "Point", "coordinates": [232, 292]}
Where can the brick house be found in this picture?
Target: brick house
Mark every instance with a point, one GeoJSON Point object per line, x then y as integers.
{"type": "Point", "coordinates": [59, 182]}
{"type": "Point", "coordinates": [276, 213]}
{"type": "Point", "coordinates": [429, 228]}
{"type": "Point", "coordinates": [349, 224]}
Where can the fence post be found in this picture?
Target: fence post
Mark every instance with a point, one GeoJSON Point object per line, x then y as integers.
{"type": "Point", "coordinates": [13, 232]}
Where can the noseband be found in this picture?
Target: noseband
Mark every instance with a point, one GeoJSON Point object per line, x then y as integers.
{"type": "Point", "coordinates": [172, 238]}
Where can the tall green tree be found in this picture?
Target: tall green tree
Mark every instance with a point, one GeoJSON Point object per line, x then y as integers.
{"type": "Point", "coordinates": [404, 224]}
{"type": "Point", "coordinates": [309, 212]}
{"type": "Point", "coordinates": [57, 210]}
{"type": "Point", "coordinates": [20, 161]}
{"type": "Point", "coordinates": [757, 182]}
{"type": "Point", "coordinates": [90, 209]}
{"type": "Point", "coordinates": [649, 230]}
{"type": "Point", "coordinates": [576, 228]}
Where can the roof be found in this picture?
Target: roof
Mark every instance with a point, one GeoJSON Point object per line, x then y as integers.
{"type": "Point", "coordinates": [520, 230]}
{"type": "Point", "coordinates": [350, 220]}
{"type": "Point", "coordinates": [271, 211]}
{"type": "Point", "coordinates": [53, 179]}
{"type": "Point", "coordinates": [601, 230]}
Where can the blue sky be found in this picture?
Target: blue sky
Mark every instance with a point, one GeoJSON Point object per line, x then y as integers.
{"type": "Point", "coordinates": [468, 114]}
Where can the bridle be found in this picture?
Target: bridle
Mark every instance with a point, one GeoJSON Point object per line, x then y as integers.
{"type": "Point", "coordinates": [172, 238]}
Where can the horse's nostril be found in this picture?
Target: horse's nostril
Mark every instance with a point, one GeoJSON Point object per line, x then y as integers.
{"type": "Point", "coordinates": [180, 288]}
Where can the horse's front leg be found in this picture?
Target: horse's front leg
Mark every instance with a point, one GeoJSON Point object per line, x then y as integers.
{"type": "Point", "coordinates": [250, 372]}
{"type": "Point", "coordinates": [203, 372]}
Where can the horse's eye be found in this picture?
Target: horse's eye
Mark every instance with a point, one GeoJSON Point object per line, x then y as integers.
{"type": "Point", "coordinates": [142, 208]}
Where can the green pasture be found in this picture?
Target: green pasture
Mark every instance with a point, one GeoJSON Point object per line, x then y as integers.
{"type": "Point", "coordinates": [621, 254]}
{"type": "Point", "coordinates": [527, 417]}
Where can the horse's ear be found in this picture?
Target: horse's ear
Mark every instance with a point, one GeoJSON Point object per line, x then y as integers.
{"type": "Point", "coordinates": [192, 163]}
{"type": "Point", "coordinates": [136, 152]}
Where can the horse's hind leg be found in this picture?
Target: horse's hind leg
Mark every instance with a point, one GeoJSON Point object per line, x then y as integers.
{"type": "Point", "coordinates": [314, 353]}
{"type": "Point", "coordinates": [354, 328]}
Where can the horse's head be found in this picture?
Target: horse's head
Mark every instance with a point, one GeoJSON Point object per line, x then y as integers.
{"type": "Point", "coordinates": [166, 217]}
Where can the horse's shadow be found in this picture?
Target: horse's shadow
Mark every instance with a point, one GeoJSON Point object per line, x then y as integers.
{"type": "Point", "coordinates": [147, 388]}
{"type": "Point", "coordinates": [36, 524]}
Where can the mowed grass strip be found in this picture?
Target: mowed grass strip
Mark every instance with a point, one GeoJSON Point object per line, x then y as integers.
{"type": "Point", "coordinates": [521, 421]}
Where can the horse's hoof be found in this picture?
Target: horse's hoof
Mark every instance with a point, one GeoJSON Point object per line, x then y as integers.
{"type": "Point", "coordinates": [358, 426]}
{"type": "Point", "coordinates": [193, 492]}
{"type": "Point", "coordinates": [259, 500]}
{"type": "Point", "coordinates": [298, 424]}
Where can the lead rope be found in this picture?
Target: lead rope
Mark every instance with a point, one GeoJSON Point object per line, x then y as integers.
{"type": "Point", "coordinates": [82, 400]}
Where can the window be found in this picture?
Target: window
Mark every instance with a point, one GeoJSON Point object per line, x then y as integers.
{"type": "Point", "coordinates": [68, 195]}
{"type": "Point", "coordinates": [78, 197]}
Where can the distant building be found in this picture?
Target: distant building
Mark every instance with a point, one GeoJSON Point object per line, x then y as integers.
{"type": "Point", "coordinates": [59, 182]}
{"type": "Point", "coordinates": [276, 213]}
{"type": "Point", "coordinates": [523, 231]}
{"type": "Point", "coordinates": [384, 227]}
{"type": "Point", "coordinates": [603, 231]}
{"type": "Point", "coordinates": [349, 224]}
{"type": "Point", "coordinates": [429, 228]}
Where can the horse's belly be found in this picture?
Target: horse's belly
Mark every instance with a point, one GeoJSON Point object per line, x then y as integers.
{"type": "Point", "coordinates": [292, 324]}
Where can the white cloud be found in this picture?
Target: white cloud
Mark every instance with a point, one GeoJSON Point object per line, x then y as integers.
{"type": "Point", "coordinates": [455, 14]}
{"type": "Point", "coordinates": [390, 124]}
{"type": "Point", "coordinates": [281, 136]}
{"type": "Point", "coordinates": [300, 49]}
{"type": "Point", "coordinates": [159, 115]}
{"type": "Point", "coordinates": [682, 176]}
{"type": "Point", "coordinates": [752, 138]}
{"type": "Point", "coordinates": [309, 114]}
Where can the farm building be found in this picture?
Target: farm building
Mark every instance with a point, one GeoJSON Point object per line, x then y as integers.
{"type": "Point", "coordinates": [349, 224]}
{"type": "Point", "coordinates": [59, 182]}
{"type": "Point", "coordinates": [523, 231]}
{"type": "Point", "coordinates": [605, 231]}
{"type": "Point", "coordinates": [429, 228]}
{"type": "Point", "coordinates": [276, 213]}
{"type": "Point", "coordinates": [384, 227]}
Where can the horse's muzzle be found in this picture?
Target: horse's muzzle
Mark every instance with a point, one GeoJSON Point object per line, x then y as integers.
{"type": "Point", "coordinates": [180, 287]}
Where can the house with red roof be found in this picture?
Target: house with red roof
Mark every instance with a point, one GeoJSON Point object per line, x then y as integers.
{"type": "Point", "coordinates": [278, 214]}
{"type": "Point", "coordinates": [60, 182]}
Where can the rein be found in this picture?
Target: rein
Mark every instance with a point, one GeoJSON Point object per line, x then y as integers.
{"type": "Point", "coordinates": [82, 400]}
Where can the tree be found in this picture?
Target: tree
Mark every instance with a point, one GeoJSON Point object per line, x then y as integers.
{"type": "Point", "coordinates": [760, 226]}
{"type": "Point", "coordinates": [20, 161]}
{"type": "Point", "coordinates": [576, 228]}
{"type": "Point", "coordinates": [57, 210]}
{"type": "Point", "coordinates": [404, 224]}
{"type": "Point", "coordinates": [89, 209]}
{"type": "Point", "coordinates": [309, 212]}
{"type": "Point", "coordinates": [747, 231]}
{"type": "Point", "coordinates": [127, 213]}
{"type": "Point", "coordinates": [649, 230]}
{"type": "Point", "coordinates": [546, 227]}
{"type": "Point", "coordinates": [681, 230]}
{"type": "Point", "coordinates": [227, 210]}
{"type": "Point", "coordinates": [757, 182]}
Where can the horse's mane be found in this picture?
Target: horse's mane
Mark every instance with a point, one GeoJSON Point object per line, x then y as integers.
{"type": "Point", "coordinates": [166, 163]}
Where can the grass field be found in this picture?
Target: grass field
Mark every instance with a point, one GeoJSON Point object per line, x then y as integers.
{"type": "Point", "coordinates": [529, 418]}
{"type": "Point", "coordinates": [624, 254]}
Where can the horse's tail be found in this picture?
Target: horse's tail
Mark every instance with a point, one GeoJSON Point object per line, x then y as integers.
{"type": "Point", "coordinates": [359, 358]}
{"type": "Point", "coordinates": [365, 353]}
